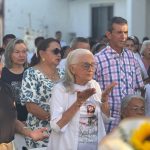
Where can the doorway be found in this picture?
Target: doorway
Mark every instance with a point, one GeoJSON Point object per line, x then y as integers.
{"type": "Point", "coordinates": [101, 15]}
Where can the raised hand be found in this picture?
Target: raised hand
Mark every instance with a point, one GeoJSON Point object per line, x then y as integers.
{"type": "Point", "coordinates": [106, 92]}
{"type": "Point", "coordinates": [84, 95]}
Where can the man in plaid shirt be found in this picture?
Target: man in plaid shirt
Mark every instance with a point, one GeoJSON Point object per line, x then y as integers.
{"type": "Point", "coordinates": [114, 63]}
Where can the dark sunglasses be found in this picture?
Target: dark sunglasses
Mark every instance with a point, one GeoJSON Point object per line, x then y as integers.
{"type": "Point", "coordinates": [56, 51]}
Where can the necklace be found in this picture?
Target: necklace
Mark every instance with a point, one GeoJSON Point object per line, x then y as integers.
{"type": "Point", "coordinates": [53, 76]}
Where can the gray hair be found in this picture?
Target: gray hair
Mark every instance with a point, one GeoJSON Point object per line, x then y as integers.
{"type": "Point", "coordinates": [73, 58]}
{"type": "Point", "coordinates": [144, 46]}
{"type": "Point", "coordinates": [9, 50]}
{"type": "Point", "coordinates": [128, 98]}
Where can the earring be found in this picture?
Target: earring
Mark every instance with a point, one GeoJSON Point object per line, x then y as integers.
{"type": "Point", "coordinates": [43, 59]}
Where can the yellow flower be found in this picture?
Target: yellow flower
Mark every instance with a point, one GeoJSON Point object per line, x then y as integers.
{"type": "Point", "coordinates": [140, 138]}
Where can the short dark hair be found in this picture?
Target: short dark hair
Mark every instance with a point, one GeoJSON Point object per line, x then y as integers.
{"type": "Point", "coordinates": [7, 37]}
{"type": "Point", "coordinates": [58, 32]}
{"type": "Point", "coordinates": [38, 40]}
{"type": "Point", "coordinates": [145, 38]}
{"type": "Point", "coordinates": [117, 20]}
{"type": "Point", "coordinates": [77, 40]}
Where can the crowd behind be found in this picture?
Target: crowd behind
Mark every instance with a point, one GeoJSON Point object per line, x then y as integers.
{"type": "Point", "coordinates": [78, 92]}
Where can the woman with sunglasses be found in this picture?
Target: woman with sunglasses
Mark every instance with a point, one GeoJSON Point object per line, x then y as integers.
{"type": "Point", "coordinates": [78, 107]}
{"type": "Point", "coordinates": [38, 81]}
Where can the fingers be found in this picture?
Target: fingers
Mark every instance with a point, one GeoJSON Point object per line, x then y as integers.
{"type": "Point", "coordinates": [43, 129]}
{"type": "Point", "coordinates": [109, 88]}
{"type": "Point", "coordinates": [45, 136]}
{"type": "Point", "coordinates": [86, 93]}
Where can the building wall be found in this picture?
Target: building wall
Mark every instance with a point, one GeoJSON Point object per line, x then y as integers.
{"type": "Point", "coordinates": [139, 18]}
{"type": "Point", "coordinates": [44, 16]}
{"type": "Point", "coordinates": [80, 14]}
{"type": "Point", "coordinates": [72, 17]}
{"type": "Point", "coordinates": [147, 19]}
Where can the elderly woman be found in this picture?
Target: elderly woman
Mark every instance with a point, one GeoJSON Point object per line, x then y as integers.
{"type": "Point", "coordinates": [145, 66]}
{"type": "Point", "coordinates": [132, 112]}
{"type": "Point", "coordinates": [132, 106]}
{"type": "Point", "coordinates": [78, 107]}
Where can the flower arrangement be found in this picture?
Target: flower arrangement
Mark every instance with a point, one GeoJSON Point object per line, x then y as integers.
{"type": "Point", "coordinates": [131, 134]}
{"type": "Point", "coordinates": [140, 138]}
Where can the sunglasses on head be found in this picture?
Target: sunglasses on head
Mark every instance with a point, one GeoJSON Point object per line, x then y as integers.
{"type": "Point", "coordinates": [56, 51]}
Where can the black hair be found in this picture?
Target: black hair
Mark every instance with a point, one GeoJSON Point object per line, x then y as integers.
{"type": "Point", "coordinates": [7, 37]}
{"type": "Point", "coordinates": [63, 51]}
{"type": "Point", "coordinates": [38, 40]}
{"type": "Point", "coordinates": [58, 32]}
{"type": "Point", "coordinates": [117, 20]}
{"type": "Point", "coordinates": [145, 38]}
{"type": "Point", "coordinates": [98, 46]}
{"type": "Point", "coordinates": [43, 45]}
{"type": "Point", "coordinates": [8, 113]}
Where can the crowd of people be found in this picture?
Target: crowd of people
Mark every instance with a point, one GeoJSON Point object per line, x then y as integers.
{"type": "Point", "coordinates": [73, 94]}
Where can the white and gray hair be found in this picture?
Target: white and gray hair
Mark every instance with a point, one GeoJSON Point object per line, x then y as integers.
{"type": "Point", "coordinates": [73, 58]}
{"type": "Point", "coordinates": [144, 46]}
{"type": "Point", "coordinates": [125, 101]}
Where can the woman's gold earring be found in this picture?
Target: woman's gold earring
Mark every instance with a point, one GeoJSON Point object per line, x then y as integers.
{"type": "Point", "coordinates": [43, 59]}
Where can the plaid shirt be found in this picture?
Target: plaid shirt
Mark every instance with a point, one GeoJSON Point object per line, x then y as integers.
{"type": "Point", "coordinates": [121, 68]}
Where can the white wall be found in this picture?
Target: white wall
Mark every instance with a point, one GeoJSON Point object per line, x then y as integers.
{"type": "Point", "coordinates": [47, 16]}
{"type": "Point", "coordinates": [80, 14]}
{"type": "Point", "coordinates": [139, 18]}
{"type": "Point", "coordinates": [71, 16]}
{"type": "Point", "coordinates": [147, 19]}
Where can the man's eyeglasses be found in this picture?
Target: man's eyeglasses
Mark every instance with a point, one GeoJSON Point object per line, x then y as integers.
{"type": "Point", "coordinates": [56, 51]}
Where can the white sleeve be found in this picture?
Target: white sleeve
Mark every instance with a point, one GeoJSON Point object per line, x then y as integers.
{"type": "Point", "coordinates": [58, 103]}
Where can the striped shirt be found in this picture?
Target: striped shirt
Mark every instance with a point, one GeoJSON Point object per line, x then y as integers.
{"type": "Point", "coordinates": [121, 68]}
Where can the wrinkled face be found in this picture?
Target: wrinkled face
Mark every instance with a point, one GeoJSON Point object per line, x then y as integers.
{"type": "Point", "coordinates": [19, 54]}
{"type": "Point", "coordinates": [135, 108]}
{"type": "Point", "coordinates": [130, 45]}
{"type": "Point", "coordinates": [83, 70]}
{"type": "Point", "coordinates": [52, 54]}
{"type": "Point", "coordinates": [118, 36]}
{"type": "Point", "coordinates": [146, 53]}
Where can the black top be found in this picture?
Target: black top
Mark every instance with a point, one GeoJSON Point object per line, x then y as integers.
{"type": "Point", "coordinates": [8, 114]}
{"type": "Point", "coordinates": [15, 81]}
